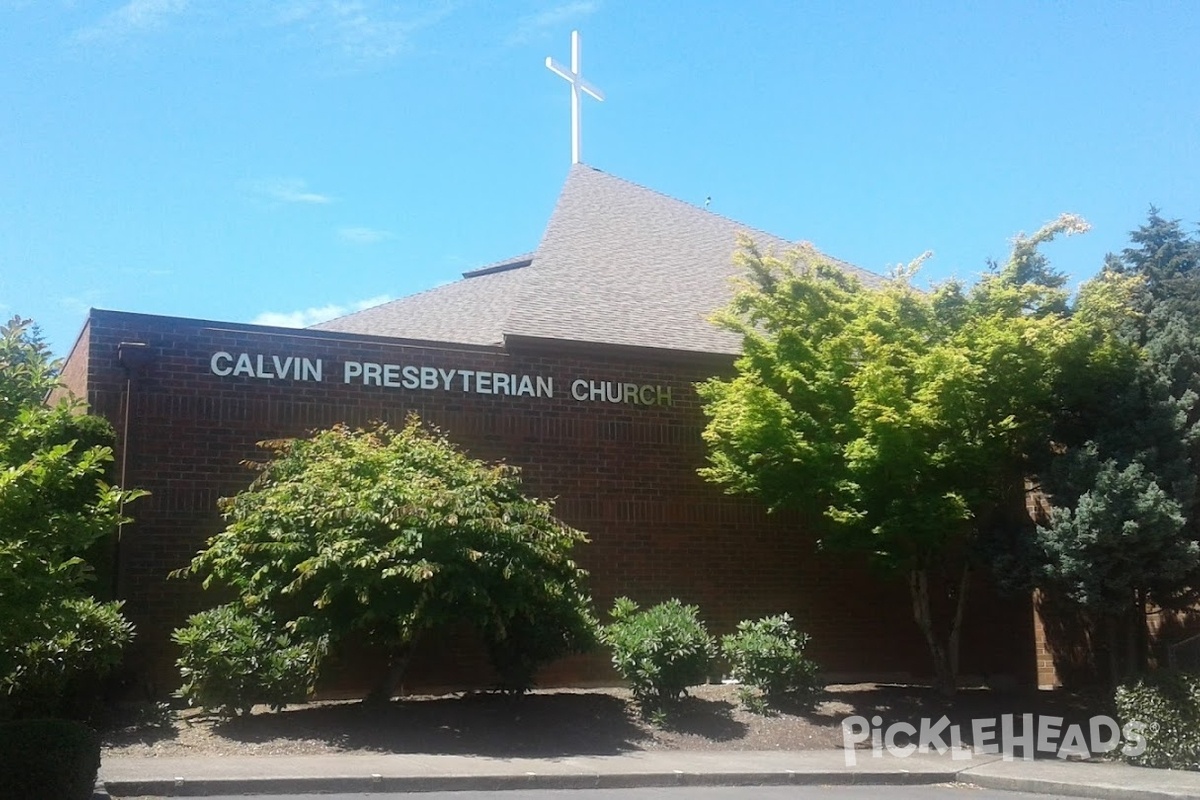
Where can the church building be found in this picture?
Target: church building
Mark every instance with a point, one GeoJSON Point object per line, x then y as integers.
{"type": "Point", "coordinates": [575, 362]}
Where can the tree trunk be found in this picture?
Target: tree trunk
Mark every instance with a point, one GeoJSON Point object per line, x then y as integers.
{"type": "Point", "coordinates": [945, 656]}
{"type": "Point", "coordinates": [960, 606]}
{"type": "Point", "coordinates": [1130, 643]}
{"type": "Point", "coordinates": [1114, 670]}
{"type": "Point", "coordinates": [1141, 619]}
{"type": "Point", "coordinates": [398, 661]}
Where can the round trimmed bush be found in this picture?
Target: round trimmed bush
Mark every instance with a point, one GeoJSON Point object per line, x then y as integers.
{"type": "Point", "coordinates": [661, 651]}
{"type": "Point", "coordinates": [768, 654]}
{"type": "Point", "coordinates": [232, 659]}
{"type": "Point", "coordinates": [1168, 704]}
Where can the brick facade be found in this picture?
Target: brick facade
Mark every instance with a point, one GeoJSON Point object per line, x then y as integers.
{"type": "Point", "coordinates": [623, 472]}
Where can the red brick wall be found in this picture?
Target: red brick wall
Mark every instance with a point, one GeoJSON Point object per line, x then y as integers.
{"type": "Point", "coordinates": [626, 474]}
{"type": "Point", "coordinates": [74, 374]}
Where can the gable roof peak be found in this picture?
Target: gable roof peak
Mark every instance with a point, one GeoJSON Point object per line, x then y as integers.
{"type": "Point", "coordinates": [618, 264]}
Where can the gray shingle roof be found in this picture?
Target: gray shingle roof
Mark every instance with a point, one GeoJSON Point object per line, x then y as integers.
{"type": "Point", "coordinates": [469, 311]}
{"type": "Point", "coordinates": [617, 264]}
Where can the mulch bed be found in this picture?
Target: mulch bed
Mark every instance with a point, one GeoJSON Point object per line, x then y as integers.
{"type": "Point", "coordinates": [562, 722]}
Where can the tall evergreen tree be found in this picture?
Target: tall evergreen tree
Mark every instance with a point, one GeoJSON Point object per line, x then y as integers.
{"type": "Point", "coordinates": [1168, 261]}
{"type": "Point", "coordinates": [1164, 256]}
{"type": "Point", "coordinates": [1122, 539]}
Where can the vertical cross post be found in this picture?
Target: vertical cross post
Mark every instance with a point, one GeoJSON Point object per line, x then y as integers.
{"type": "Point", "coordinates": [578, 84]}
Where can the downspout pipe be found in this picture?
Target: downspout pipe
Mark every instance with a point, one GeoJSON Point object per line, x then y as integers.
{"type": "Point", "coordinates": [133, 357]}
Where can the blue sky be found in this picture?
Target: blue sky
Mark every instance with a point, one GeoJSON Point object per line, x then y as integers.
{"type": "Point", "coordinates": [282, 161]}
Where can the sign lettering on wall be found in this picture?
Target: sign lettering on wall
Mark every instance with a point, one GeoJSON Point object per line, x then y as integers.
{"type": "Point", "coordinates": [434, 379]}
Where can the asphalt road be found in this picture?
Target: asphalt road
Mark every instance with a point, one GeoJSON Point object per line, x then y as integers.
{"type": "Point", "coordinates": [695, 793]}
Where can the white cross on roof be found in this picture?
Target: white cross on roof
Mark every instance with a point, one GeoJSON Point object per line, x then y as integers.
{"type": "Point", "coordinates": [577, 82]}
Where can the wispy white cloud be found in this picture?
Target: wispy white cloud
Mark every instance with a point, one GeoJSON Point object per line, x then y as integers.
{"type": "Point", "coordinates": [539, 24]}
{"type": "Point", "coordinates": [361, 32]}
{"type": "Point", "coordinates": [344, 34]}
{"type": "Point", "coordinates": [82, 302]}
{"type": "Point", "coordinates": [311, 316]}
{"type": "Point", "coordinates": [360, 235]}
{"type": "Point", "coordinates": [133, 18]}
{"type": "Point", "coordinates": [292, 190]}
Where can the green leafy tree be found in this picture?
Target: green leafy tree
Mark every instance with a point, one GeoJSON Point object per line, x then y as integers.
{"type": "Point", "coordinates": [905, 418]}
{"type": "Point", "coordinates": [391, 534]}
{"type": "Point", "coordinates": [54, 506]}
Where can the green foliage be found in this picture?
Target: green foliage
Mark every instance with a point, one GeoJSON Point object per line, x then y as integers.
{"type": "Point", "coordinates": [768, 655]}
{"type": "Point", "coordinates": [555, 624]}
{"type": "Point", "coordinates": [660, 651]}
{"type": "Point", "coordinates": [904, 418]}
{"type": "Point", "coordinates": [1168, 262]}
{"type": "Point", "coordinates": [1123, 482]}
{"type": "Point", "coordinates": [1168, 704]}
{"type": "Point", "coordinates": [54, 506]}
{"type": "Point", "coordinates": [1123, 535]}
{"type": "Point", "coordinates": [898, 414]}
{"type": "Point", "coordinates": [1166, 258]}
{"type": "Point", "coordinates": [389, 534]}
{"type": "Point", "coordinates": [48, 758]}
{"type": "Point", "coordinates": [80, 640]}
{"type": "Point", "coordinates": [754, 701]}
{"type": "Point", "coordinates": [232, 659]}
{"type": "Point", "coordinates": [27, 369]}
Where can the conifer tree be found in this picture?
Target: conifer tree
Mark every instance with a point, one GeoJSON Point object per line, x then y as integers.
{"type": "Point", "coordinates": [1122, 538]}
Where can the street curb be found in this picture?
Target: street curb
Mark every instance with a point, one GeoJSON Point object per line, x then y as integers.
{"type": "Point", "coordinates": [1043, 786]}
{"type": "Point", "coordinates": [461, 783]}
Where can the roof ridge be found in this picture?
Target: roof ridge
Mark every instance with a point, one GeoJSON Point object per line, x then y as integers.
{"type": "Point", "coordinates": [617, 263]}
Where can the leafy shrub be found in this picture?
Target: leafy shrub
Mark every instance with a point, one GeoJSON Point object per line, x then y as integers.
{"type": "Point", "coordinates": [1168, 704]}
{"type": "Point", "coordinates": [661, 651]}
{"type": "Point", "coordinates": [56, 507]}
{"type": "Point", "coordinates": [389, 535]}
{"type": "Point", "coordinates": [768, 654]}
{"type": "Point", "coordinates": [233, 659]}
{"type": "Point", "coordinates": [81, 640]}
{"type": "Point", "coordinates": [48, 758]}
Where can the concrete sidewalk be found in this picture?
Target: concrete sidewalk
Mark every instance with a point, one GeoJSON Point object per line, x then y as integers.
{"type": "Point", "coordinates": [191, 777]}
